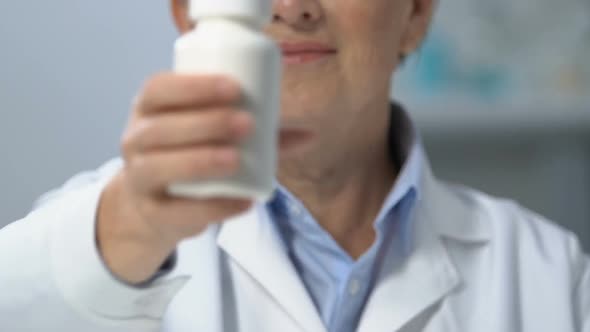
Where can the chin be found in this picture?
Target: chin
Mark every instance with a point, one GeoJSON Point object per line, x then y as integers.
{"type": "Point", "coordinates": [306, 109]}
{"type": "Point", "coordinates": [311, 95]}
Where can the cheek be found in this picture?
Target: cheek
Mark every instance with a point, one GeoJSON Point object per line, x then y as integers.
{"type": "Point", "coordinates": [369, 33]}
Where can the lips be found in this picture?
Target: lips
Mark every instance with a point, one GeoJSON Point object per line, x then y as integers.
{"type": "Point", "coordinates": [305, 52]}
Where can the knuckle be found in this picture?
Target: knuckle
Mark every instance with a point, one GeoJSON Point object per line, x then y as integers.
{"type": "Point", "coordinates": [141, 100]}
{"type": "Point", "coordinates": [152, 83]}
{"type": "Point", "coordinates": [148, 88]}
{"type": "Point", "coordinates": [134, 136]}
{"type": "Point", "coordinates": [146, 132]}
{"type": "Point", "coordinates": [136, 102]}
{"type": "Point", "coordinates": [127, 144]}
{"type": "Point", "coordinates": [141, 135]}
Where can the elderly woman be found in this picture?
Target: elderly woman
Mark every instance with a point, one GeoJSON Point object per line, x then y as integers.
{"type": "Point", "coordinates": [360, 236]}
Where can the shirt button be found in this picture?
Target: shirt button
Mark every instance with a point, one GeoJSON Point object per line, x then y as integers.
{"type": "Point", "coordinates": [354, 287]}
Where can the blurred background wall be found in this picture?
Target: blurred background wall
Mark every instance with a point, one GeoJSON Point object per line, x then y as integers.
{"type": "Point", "coordinates": [68, 71]}
{"type": "Point", "coordinates": [501, 91]}
{"type": "Point", "coordinates": [510, 116]}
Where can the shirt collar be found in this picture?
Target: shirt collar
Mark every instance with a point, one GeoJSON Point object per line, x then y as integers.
{"type": "Point", "coordinates": [406, 151]}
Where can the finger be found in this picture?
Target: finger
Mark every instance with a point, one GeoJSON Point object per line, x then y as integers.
{"type": "Point", "coordinates": [171, 91]}
{"type": "Point", "coordinates": [153, 172]}
{"type": "Point", "coordinates": [191, 128]}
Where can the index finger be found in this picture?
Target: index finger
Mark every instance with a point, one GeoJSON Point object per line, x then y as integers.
{"type": "Point", "coordinates": [182, 91]}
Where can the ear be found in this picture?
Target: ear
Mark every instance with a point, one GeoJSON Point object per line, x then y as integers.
{"type": "Point", "coordinates": [418, 22]}
{"type": "Point", "coordinates": [179, 9]}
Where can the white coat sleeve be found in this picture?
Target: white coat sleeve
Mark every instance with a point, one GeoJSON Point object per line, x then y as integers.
{"type": "Point", "coordinates": [52, 277]}
{"type": "Point", "coordinates": [581, 291]}
{"type": "Point", "coordinates": [584, 292]}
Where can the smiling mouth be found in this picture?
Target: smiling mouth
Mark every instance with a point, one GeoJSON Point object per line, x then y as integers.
{"type": "Point", "coordinates": [305, 52]}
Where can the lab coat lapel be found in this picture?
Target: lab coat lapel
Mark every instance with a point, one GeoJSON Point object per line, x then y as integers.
{"type": "Point", "coordinates": [198, 306]}
{"type": "Point", "coordinates": [252, 243]}
{"type": "Point", "coordinates": [410, 285]}
{"type": "Point", "coordinates": [413, 283]}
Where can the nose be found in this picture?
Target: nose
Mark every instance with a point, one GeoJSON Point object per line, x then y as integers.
{"type": "Point", "coordinates": [302, 14]}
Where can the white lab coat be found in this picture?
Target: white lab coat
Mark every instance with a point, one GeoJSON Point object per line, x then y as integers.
{"type": "Point", "coordinates": [478, 264]}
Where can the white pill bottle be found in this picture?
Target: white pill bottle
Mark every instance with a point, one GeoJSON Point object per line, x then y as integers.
{"type": "Point", "coordinates": [229, 40]}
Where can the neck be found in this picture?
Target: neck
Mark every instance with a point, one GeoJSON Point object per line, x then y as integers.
{"type": "Point", "coordinates": [345, 194]}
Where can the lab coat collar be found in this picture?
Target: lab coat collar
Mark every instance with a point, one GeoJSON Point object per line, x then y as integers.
{"type": "Point", "coordinates": [413, 283]}
{"type": "Point", "coordinates": [415, 280]}
{"type": "Point", "coordinates": [451, 213]}
{"type": "Point", "coordinates": [408, 285]}
{"type": "Point", "coordinates": [253, 244]}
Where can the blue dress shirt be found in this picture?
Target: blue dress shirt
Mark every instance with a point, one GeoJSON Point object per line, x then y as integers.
{"type": "Point", "coordinates": [338, 285]}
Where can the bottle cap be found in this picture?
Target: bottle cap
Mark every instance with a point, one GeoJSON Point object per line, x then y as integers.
{"type": "Point", "coordinates": [257, 10]}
